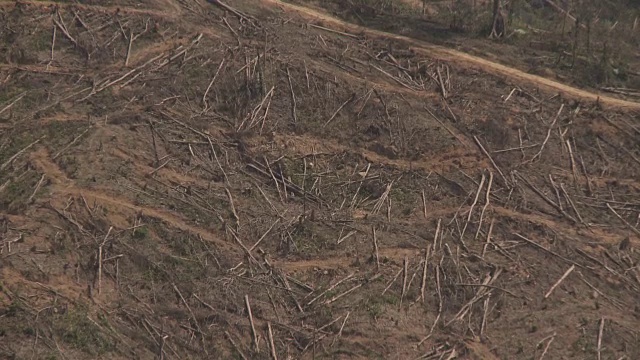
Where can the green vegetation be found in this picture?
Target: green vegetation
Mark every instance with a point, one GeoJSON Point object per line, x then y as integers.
{"type": "Point", "coordinates": [15, 196]}
{"type": "Point", "coordinates": [78, 331]}
{"type": "Point", "coordinates": [140, 233]}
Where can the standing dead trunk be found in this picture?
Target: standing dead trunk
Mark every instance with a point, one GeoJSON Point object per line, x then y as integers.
{"type": "Point", "coordinates": [498, 27]}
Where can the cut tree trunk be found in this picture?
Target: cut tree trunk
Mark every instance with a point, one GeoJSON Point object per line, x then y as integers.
{"type": "Point", "coordinates": [498, 27]}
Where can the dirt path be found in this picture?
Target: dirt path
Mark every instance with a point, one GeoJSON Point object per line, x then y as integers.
{"type": "Point", "coordinates": [62, 187]}
{"type": "Point", "coordinates": [469, 61]}
{"type": "Point", "coordinates": [439, 162]}
{"type": "Point", "coordinates": [421, 47]}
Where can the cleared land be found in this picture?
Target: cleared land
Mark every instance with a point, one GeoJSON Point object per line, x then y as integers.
{"type": "Point", "coordinates": [180, 180]}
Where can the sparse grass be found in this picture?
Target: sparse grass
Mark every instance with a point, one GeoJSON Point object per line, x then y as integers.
{"type": "Point", "coordinates": [15, 196]}
{"type": "Point", "coordinates": [140, 233]}
{"type": "Point", "coordinates": [378, 305]}
{"type": "Point", "coordinates": [391, 299]}
{"type": "Point", "coordinates": [14, 308]}
{"type": "Point", "coordinates": [585, 345]}
{"type": "Point", "coordinates": [78, 331]}
{"type": "Point", "coordinates": [14, 145]}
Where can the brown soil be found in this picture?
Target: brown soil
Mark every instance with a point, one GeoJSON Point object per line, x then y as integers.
{"type": "Point", "coordinates": [462, 59]}
{"type": "Point", "coordinates": [248, 156]}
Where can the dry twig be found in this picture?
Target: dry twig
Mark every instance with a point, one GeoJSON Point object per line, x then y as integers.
{"type": "Point", "coordinates": [491, 159]}
{"type": "Point", "coordinates": [350, 99]}
{"type": "Point", "coordinates": [564, 276]}
{"type": "Point", "coordinates": [600, 331]}
{"type": "Point", "coordinates": [11, 159]}
{"type": "Point", "coordinates": [475, 201]}
{"type": "Point", "coordinates": [631, 227]}
{"type": "Point", "coordinates": [375, 248]}
{"type": "Point", "coordinates": [293, 98]}
{"type": "Point", "coordinates": [100, 254]}
{"type": "Point", "coordinates": [423, 286]}
{"type": "Point", "coordinates": [253, 326]}
{"type": "Point", "coordinates": [555, 119]}
{"type": "Point", "coordinates": [486, 204]}
{"type": "Point", "coordinates": [273, 346]}
{"type": "Point", "coordinates": [213, 80]}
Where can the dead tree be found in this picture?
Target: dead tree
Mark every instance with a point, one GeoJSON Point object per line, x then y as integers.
{"type": "Point", "coordinates": [498, 27]}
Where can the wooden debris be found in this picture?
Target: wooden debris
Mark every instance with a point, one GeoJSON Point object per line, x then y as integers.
{"type": "Point", "coordinates": [375, 248]}
{"type": "Point", "coordinates": [12, 158]}
{"type": "Point", "coordinates": [475, 201]}
{"type": "Point", "coordinates": [631, 227]}
{"type": "Point", "coordinates": [274, 354]}
{"type": "Point", "coordinates": [100, 254]}
{"type": "Point", "coordinates": [253, 326]}
{"type": "Point", "coordinates": [349, 100]}
{"type": "Point", "coordinates": [564, 276]}
{"type": "Point", "coordinates": [491, 159]}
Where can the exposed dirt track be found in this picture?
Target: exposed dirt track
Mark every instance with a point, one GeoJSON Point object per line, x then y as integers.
{"type": "Point", "coordinates": [65, 187]}
{"type": "Point", "coordinates": [443, 161]}
{"type": "Point", "coordinates": [453, 56]}
{"type": "Point", "coordinates": [430, 50]}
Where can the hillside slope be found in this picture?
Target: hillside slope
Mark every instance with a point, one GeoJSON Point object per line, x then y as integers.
{"type": "Point", "coordinates": [181, 180]}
